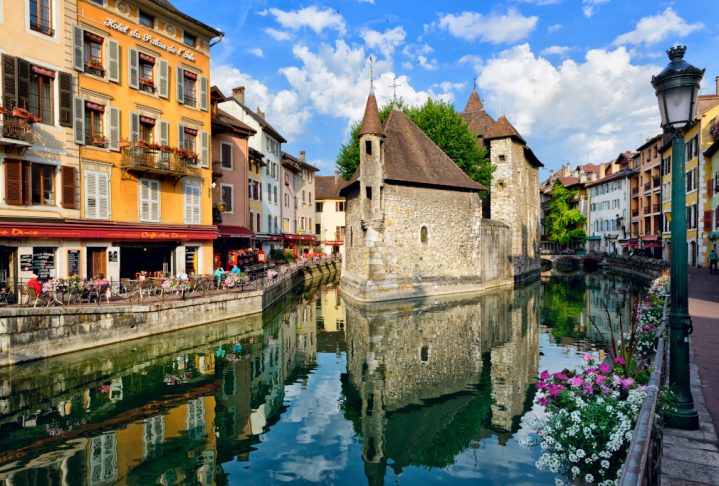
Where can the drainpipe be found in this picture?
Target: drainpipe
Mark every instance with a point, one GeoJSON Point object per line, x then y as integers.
{"type": "Point", "coordinates": [219, 39]}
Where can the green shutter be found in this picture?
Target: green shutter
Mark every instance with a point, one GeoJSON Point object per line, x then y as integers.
{"type": "Point", "coordinates": [114, 128]}
{"type": "Point", "coordinates": [164, 87]}
{"type": "Point", "coordinates": [78, 48]}
{"type": "Point", "coordinates": [113, 60]}
{"type": "Point", "coordinates": [133, 67]}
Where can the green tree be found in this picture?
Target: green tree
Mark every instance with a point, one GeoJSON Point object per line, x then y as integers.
{"type": "Point", "coordinates": [563, 224]}
{"type": "Point", "coordinates": [444, 126]}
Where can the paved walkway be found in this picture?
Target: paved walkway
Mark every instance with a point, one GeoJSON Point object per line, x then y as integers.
{"type": "Point", "coordinates": [692, 457]}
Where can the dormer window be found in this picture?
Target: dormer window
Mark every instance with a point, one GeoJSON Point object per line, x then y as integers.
{"type": "Point", "coordinates": [189, 39]}
{"type": "Point", "coordinates": [146, 19]}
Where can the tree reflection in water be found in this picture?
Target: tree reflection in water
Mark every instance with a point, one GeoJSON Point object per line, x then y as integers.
{"type": "Point", "coordinates": [315, 390]}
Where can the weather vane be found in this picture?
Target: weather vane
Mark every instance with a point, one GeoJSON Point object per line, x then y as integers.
{"type": "Point", "coordinates": [394, 87]}
{"type": "Point", "coordinates": [371, 74]}
{"type": "Point", "coordinates": [475, 83]}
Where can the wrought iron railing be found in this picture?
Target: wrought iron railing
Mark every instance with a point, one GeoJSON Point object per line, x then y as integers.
{"type": "Point", "coordinates": [16, 128]}
{"type": "Point", "coordinates": [41, 26]}
{"type": "Point", "coordinates": [154, 160]}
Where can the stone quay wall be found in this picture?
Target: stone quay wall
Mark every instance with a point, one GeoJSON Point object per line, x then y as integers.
{"type": "Point", "coordinates": [28, 334]}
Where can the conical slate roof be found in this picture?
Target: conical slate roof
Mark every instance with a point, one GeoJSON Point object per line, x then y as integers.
{"type": "Point", "coordinates": [474, 103]}
{"type": "Point", "coordinates": [371, 124]}
{"type": "Point", "coordinates": [480, 123]}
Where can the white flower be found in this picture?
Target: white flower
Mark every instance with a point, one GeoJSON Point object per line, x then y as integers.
{"type": "Point", "coordinates": [575, 470]}
{"type": "Point", "coordinates": [589, 478]}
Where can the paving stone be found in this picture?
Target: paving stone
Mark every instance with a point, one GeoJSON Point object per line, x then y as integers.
{"type": "Point", "coordinates": [689, 471]}
{"type": "Point", "coordinates": [692, 454]}
{"type": "Point", "coordinates": [670, 481]}
{"type": "Point", "coordinates": [676, 441]}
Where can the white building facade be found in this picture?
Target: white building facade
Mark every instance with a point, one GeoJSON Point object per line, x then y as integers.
{"type": "Point", "coordinates": [608, 213]}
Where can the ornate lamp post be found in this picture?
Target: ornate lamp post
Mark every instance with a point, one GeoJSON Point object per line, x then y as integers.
{"type": "Point", "coordinates": [677, 88]}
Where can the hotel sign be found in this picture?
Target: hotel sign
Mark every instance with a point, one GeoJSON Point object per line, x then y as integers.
{"type": "Point", "coordinates": [155, 41]}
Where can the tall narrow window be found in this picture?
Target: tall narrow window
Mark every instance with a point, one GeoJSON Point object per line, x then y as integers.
{"type": "Point", "coordinates": [368, 147]}
{"type": "Point", "coordinates": [94, 134]}
{"type": "Point", "coordinates": [147, 78]}
{"type": "Point", "coordinates": [41, 93]}
{"type": "Point", "coordinates": [226, 155]}
{"type": "Point", "coordinates": [93, 54]}
{"type": "Point", "coordinates": [147, 129]}
{"type": "Point", "coordinates": [190, 92]}
{"type": "Point", "coordinates": [40, 16]}
{"type": "Point", "coordinates": [43, 184]}
{"type": "Point", "coordinates": [227, 198]}
{"type": "Point", "coordinates": [423, 234]}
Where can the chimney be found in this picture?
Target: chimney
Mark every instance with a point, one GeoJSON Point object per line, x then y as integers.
{"type": "Point", "coordinates": [717, 84]}
{"type": "Point", "coordinates": [302, 155]}
{"type": "Point", "coordinates": [337, 176]}
{"type": "Point", "coordinates": [239, 94]}
{"type": "Point", "coordinates": [260, 113]}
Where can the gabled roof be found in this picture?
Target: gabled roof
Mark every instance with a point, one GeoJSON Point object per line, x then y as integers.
{"type": "Point", "coordinates": [611, 177]}
{"type": "Point", "coordinates": [328, 187]}
{"type": "Point", "coordinates": [705, 102]}
{"type": "Point", "coordinates": [296, 163]}
{"type": "Point", "coordinates": [261, 121]}
{"type": "Point", "coordinates": [411, 157]}
{"type": "Point", "coordinates": [650, 142]}
{"type": "Point", "coordinates": [568, 181]}
{"type": "Point", "coordinates": [236, 125]}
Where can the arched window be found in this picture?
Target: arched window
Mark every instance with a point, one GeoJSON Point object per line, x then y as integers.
{"type": "Point", "coordinates": [423, 234]}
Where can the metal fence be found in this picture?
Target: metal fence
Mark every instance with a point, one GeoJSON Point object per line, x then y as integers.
{"type": "Point", "coordinates": [642, 465]}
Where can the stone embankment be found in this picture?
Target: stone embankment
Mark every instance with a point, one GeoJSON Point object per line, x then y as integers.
{"type": "Point", "coordinates": [650, 268]}
{"type": "Point", "coordinates": [28, 334]}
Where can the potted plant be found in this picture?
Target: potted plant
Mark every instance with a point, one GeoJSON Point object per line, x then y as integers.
{"type": "Point", "coordinates": [99, 141]}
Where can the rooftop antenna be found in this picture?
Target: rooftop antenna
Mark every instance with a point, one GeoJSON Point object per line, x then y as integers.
{"type": "Point", "coordinates": [394, 87]}
{"type": "Point", "coordinates": [371, 75]}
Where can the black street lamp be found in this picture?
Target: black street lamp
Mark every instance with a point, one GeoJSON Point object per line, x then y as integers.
{"type": "Point", "coordinates": [677, 89]}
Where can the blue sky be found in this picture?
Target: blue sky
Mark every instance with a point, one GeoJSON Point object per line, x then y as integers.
{"type": "Point", "coordinates": [572, 75]}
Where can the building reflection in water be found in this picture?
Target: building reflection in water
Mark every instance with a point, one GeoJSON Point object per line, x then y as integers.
{"type": "Point", "coordinates": [429, 379]}
{"type": "Point", "coordinates": [413, 383]}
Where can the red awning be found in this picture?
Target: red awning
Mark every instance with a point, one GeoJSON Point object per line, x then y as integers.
{"type": "Point", "coordinates": [300, 238]}
{"type": "Point", "coordinates": [227, 231]}
{"type": "Point", "coordinates": [106, 231]}
{"type": "Point", "coordinates": [630, 243]}
{"type": "Point", "coordinates": [333, 243]}
{"type": "Point", "coordinates": [653, 245]}
{"type": "Point", "coordinates": [650, 238]}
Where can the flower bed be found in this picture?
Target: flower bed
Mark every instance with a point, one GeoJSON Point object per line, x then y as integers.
{"type": "Point", "coordinates": [590, 412]}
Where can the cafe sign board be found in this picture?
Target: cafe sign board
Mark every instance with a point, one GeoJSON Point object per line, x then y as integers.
{"type": "Point", "coordinates": [145, 37]}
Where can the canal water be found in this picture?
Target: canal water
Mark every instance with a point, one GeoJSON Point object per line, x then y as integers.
{"type": "Point", "coordinates": [317, 390]}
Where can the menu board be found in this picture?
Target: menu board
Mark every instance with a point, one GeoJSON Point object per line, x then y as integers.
{"type": "Point", "coordinates": [190, 254]}
{"type": "Point", "coordinates": [26, 263]}
{"type": "Point", "coordinates": [73, 262]}
{"type": "Point", "coordinates": [43, 262]}
{"type": "Point", "coordinates": [112, 256]}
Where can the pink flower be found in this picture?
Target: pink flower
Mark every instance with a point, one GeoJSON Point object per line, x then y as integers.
{"type": "Point", "coordinates": [542, 385]}
{"type": "Point", "coordinates": [561, 376]}
{"type": "Point", "coordinates": [543, 401]}
{"type": "Point", "coordinates": [588, 389]}
{"type": "Point", "coordinates": [627, 382]}
{"type": "Point", "coordinates": [587, 357]}
{"type": "Point", "coordinates": [619, 360]}
{"type": "Point", "coordinates": [592, 371]}
{"type": "Point", "coordinates": [577, 381]}
{"type": "Point", "coordinates": [544, 375]}
{"type": "Point", "coordinates": [604, 368]}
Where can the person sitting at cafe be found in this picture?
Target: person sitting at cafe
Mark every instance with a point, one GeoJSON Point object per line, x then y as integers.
{"type": "Point", "coordinates": [235, 269]}
{"type": "Point", "coordinates": [35, 284]}
{"type": "Point", "coordinates": [181, 275]}
{"type": "Point", "coordinates": [219, 273]}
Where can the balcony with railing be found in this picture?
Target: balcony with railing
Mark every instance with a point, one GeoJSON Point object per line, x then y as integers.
{"type": "Point", "coordinates": [15, 130]}
{"type": "Point", "coordinates": [656, 208]}
{"type": "Point", "coordinates": [647, 210]}
{"type": "Point", "coordinates": [647, 186]}
{"type": "Point", "coordinates": [157, 161]}
{"type": "Point", "coordinates": [635, 191]}
{"type": "Point", "coordinates": [635, 213]}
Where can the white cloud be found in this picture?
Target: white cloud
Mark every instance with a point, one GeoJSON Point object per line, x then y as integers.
{"type": "Point", "coordinates": [366, 1]}
{"type": "Point", "coordinates": [278, 35]}
{"type": "Point", "coordinates": [310, 17]}
{"type": "Point", "coordinates": [555, 50]}
{"type": "Point", "coordinates": [386, 42]}
{"type": "Point", "coordinates": [656, 28]}
{"type": "Point", "coordinates": [256, 52]}
{"type": "Point", "coordinates": [553, 28]}
{"type": "Point", "coordinates": [494, 28]}
{"type": "Point", "coordinates": [283, 108]}
{"type": "Point", "coordinates": [589, 7]}
{"type": "Point", "coordinates": [542, 2]}
{"type": "Point", "coordinates": [419, 56]}
{"type": "Point", "coordinates": [578, 111]}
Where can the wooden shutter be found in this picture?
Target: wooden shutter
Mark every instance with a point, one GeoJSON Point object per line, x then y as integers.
{"type": "Point", "coordinates": [164, 87]}
{"type": "Point", "coordinates": [197, 204]}
{"type": "Point", "coordinates": [192, 202]}
{"type": "Point", "coordinates": [180, 136]}
{"type": "Point", "coordinates": [79, 115]}
{"type": "Point", "coordinates": [103, 195]}
{"type": "Point", "coordinates": [113, 61]}
{"type": "Point", "coordinates": [134, 127]}
{"type": "Point", "coordinates": [23, 83]}
{"type": "Point", "coordinates": [187, 189]}
{"type": "Point", "coordinates": [9, 91]}
{"type": "Point", "coordinates": [114, 143]}
{"type": "Point", "coordinates": [204, 149]}
{"type": "Point", "coordinates": [144, 199]}
{"type": "Point", "coordinates": [180, 85]}
{"type": "Point", "coordinates": [26, 183]}
{"type": "Point", "coordinates": [65, 88]}
{"type": "Point", "coordinates": [164, 133]}
{"type": "Point", "coordinates": [133, 67]}
{"type": "Point", "coordinates": [710, 187]}
{"type": "Point", "coordinates": [69, 187]}
{"type": "Point", "coordinates": [78, 48]}
{"type": "Point", "coordinates": [154, 200]}
{"type": "Point", "coordinates": [13, 182]}
{"type": "Point", "coordinates": [707, 220]}
{"type": "Point", "coordinates": [203, 93]}
{"type": "Point", "coordinates": [90, 194]}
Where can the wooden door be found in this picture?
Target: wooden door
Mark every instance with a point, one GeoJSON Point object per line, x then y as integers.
{"type": "Point", "coordinates": [96, 262]}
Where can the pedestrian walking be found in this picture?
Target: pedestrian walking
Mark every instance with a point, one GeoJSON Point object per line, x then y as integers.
{"type": "Point", "coordinates": [713, 258]}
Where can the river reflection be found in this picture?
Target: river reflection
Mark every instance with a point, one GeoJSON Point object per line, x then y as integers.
{"type": "Point", "coordinates": [316, 390]}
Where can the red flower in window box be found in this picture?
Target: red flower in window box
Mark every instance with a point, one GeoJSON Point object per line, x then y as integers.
{"type": "Point", "coordinates": [99, 141]}
{"type": "Point", "coordinates": [148, 83]}
{"type": "Point", "coordinates": [23, 114]}
{"type": "Point", "coordinates": [187, 154]}
{"type": "Point", "coordinates": [139, 143]}
{"type": "Point", "coordinates": [3, 110]}
{"type": "Point", "coordinates": [166, 149]}
{"type": "Point", "coordinates": [153, 146]}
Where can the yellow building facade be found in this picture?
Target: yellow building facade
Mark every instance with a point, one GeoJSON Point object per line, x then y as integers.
{"type": "Point", "coordinates": [141, 118]}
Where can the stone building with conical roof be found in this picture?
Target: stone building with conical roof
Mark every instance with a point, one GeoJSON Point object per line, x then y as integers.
{"type": "Point", "coordinates": [414, 219]}
{"type": "Point", "coordinates": [514, 191]}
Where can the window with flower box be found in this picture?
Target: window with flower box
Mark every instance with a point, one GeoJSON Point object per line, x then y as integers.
{"type": "Point", "coordinates": [93, 54]}
{"type": "Point", "coordinates": [147, 129]}
{"type": "Point", "coordinates": [146, 68]}
{"type": "Point", "coordinates": [190, 82]}
{"type": "Point", "coordinates": [41, 93]}
{"type": "Point", "coordinates": [94, 133]}
{"type": "Point", "coordinates": [41, 17]}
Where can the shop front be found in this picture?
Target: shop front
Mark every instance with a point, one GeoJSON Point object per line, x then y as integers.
{"type": "Point", "coordinates": [652, 245]}
{"type": "Point", "coordinates": [301, 244]}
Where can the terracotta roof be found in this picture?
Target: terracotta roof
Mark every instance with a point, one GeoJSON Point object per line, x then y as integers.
{"type": "Point", "coordinates": [649, 142]}
{"type": "Point", "coordinates": [531, 158]}
{"type": "Point", "coordinates": [480, 123]}
{"type": "Point", "coordinates": [568, 181]}
{"type": "Point", "coordinates": [504, 129]}
{"type": "Point", "coordinates": [371, 124]}
{"type": "Point", "coordinates": [611, 177]}
{"type": "Point", "coordinates": [474, 103]}
{"type": "Point", "coordinates": [237, 125]}
{"type": "Point", "coordinates": [410, 157]}
{"type": "Point", "coordinates": [328, 187]}
{"type": "Point", "coordinates": [297, 163]}
{"type": "Point", "coordinates": [589, 167]}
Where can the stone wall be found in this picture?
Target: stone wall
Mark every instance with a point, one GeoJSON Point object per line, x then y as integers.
{"type": "Point", "coordinates": [462, 253]}
{"type": "Point", "coordinates": [515, 201]}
